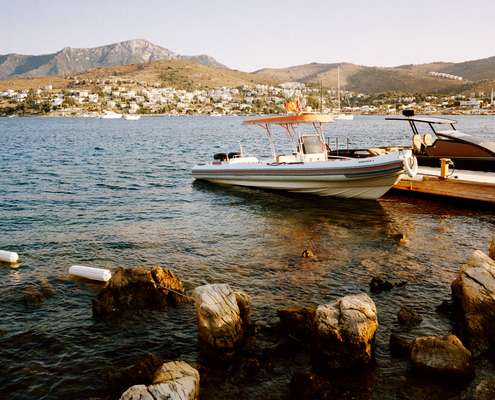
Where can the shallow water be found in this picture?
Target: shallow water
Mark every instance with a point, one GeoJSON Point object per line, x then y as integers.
{"type": "Point", "coordinates": [114, 193]}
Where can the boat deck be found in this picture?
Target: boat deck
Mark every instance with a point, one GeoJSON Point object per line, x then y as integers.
{"type": "Point", "coordinates": [462, 184]}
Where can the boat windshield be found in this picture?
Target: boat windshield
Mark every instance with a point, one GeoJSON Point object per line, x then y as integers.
{"type": "Point", "coordinates": [311, 144]}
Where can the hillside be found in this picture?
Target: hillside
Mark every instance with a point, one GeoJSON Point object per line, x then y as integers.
{"type": "Point", "coordinates": [72, 60]}
{"type": "Point", "coordinates": [473, 70]}
{"type": "Point", "coordinates": [180, 74]}
{"type": "Point", "coordinates": [406, 78]}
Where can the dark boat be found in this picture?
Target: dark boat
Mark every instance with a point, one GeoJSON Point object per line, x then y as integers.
{"type": "Point", "coordinates": [466, 151]}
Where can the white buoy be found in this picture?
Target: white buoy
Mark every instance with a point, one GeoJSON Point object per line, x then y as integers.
{"type": "Point", "coordinates": [95, 274]}
{"type": "Point", "coordinates": [9, 257]}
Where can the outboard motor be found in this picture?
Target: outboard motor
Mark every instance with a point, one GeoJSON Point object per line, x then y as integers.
{"type": "Point", "coordinates": [234, 154]}
{"type": "Point", "coordinates": [220, 157]}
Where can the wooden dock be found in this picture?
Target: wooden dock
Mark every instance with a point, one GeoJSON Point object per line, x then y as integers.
{"type": "Point", "coordinates": [467, 185]}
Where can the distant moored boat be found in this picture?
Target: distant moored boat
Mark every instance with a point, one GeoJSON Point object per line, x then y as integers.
{"type": "Point", "coordinates": [110, 115]}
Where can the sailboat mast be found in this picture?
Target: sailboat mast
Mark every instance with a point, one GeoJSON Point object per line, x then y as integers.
{"type": "Point", "coordinates": [321, 96]}
{"type": "Point", "coordinates": [338, 87]}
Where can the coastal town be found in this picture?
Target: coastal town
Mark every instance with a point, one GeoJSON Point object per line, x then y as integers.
{"type": "Point", "coordinates": [93, 98]}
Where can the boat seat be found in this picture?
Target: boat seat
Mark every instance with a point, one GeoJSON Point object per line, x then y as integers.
{"type": "Point", "coordinates": [377, 151]}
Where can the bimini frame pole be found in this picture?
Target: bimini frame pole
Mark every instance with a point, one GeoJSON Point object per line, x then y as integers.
{"type": "Point", "coordinates": [266, 127]}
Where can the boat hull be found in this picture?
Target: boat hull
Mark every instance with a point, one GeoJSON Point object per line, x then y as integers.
{"type": "Point", "coordinates": [364, 179]}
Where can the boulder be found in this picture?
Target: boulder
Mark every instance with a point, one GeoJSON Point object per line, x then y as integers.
{"type": "Point", "coordinates": [139, 288]}
{"type": "Point", "coordinates": [344, 332]}
{"type": "Point", "coordinates": [173, 380]}
{"type": "Point", "coordinates": [407, 316]}
{"type": "Point", "coordinates": [491, 249]}
{"type": "Point", "coordinates": [221, 324]}
{"type": "Point", "coordinates": [297, 321]}
{"type": "Point", "coordinates": [442, 356]}
{"type": "Point", "coordinates": [473, 294]}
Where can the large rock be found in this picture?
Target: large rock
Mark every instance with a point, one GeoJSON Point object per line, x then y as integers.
{"type": "Point", "coordinates": [175, 380]}
{"type": "Point", "coordinates": [491, 249]}
{"type": "Point", "coordinates": [139, 288]}
{"type": "Point", "coordinates": [441, 355]}
{"type": "Point", "coordinates": [344, 332]}
{"type": "Point", "coordinates": [222, 315]}
{"type": "Point", "coordinates": [473, 293]}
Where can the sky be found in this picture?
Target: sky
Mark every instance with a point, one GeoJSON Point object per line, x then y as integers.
{"type": "Point", "coordinates": [254, 34]}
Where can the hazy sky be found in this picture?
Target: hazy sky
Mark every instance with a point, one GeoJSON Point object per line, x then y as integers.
{"type": "Point", "coordinates": [252, 34]}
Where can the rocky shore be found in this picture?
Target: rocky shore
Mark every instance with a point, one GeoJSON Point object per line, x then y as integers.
{"type": "Point", "coordinates": [329, 348]}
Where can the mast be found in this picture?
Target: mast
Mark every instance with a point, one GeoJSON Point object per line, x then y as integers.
{"type": "Point", "coordinates": [321, 96]}
{"type": "Point", "coordinates": [338, 87]}
{"type": "Point", "coordinates": [491, 100]}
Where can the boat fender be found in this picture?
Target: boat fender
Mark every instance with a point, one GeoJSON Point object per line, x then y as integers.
{"type": "Point", "coordinates": [8, 257]}
{"type": "Point", "coordinates": [95, 274]}
{"type": "Point", "coordinates": [410, 166]}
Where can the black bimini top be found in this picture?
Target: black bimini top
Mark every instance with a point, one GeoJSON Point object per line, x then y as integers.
{"type": "Point", "coordinates": [426, 120]}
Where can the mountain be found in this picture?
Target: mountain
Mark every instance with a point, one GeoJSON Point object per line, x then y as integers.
{"type": "Point", "coordinates": [180, 70]}
{"type": "Point", "coordinates": [72, 60]}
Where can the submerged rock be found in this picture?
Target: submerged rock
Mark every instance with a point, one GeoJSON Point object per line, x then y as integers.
{"type": "Point", "coordinates": [344, 332]}
{"type": "Point", "coordinates": [306, 385]}
{"type": "Point", "coordinates": [139, 288]}
{"type": "Point", "coordinates": [221, 324]}
{"type": "Point", "coordinates": [297, 321]}
{"type": "Point", "coordinates": [175, 380]}
{"type": "Point", "coordinates": [485, 390]}
{"type": "Point", "coordinates": [442, 356]}
{"type": "Point", "coordinates": [445, 308]}
{"type": "Point", "coordinates": [37, 292]}
{"type": "Point", "coordinates": [378, 284]}
{"type": "Point", "coordinates": [400, 343]}
{"type": "Point", "coordinates": [473, 293]}
{"type": "Point", "coordinates": [140, 373]}
{"type": "Point", "coordinates": [407, 316]}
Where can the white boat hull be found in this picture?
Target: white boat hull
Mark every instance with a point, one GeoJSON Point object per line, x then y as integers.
{"type": "Point", "coordinates": [367, 178]}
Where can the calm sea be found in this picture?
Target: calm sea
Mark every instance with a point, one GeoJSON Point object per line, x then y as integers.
{"type": "Point", "coordinates": [111, 193]}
